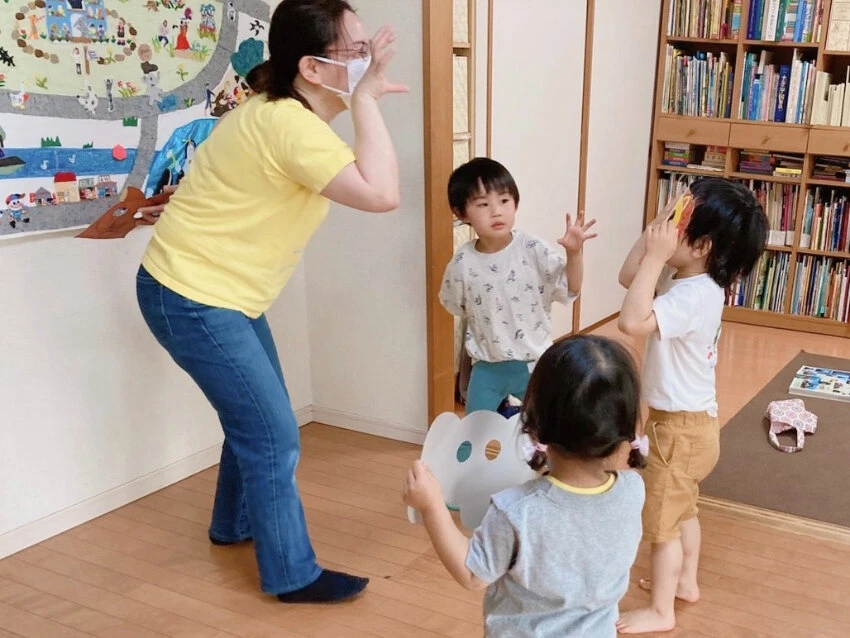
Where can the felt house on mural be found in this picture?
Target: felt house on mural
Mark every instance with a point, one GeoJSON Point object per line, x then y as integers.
{"type": "Point", "coordinates": [76, 20]}
{"type": "Point", "coordinates": [88, 188]}
{"type": "Point", "coordinates": [106, 186]}
{"type": "Point", "coordinates": [65, 187]}
{"type": "Point", "coordinates": [42, 197]}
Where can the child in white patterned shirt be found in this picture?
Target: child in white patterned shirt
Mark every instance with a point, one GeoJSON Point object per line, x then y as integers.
{"type": "Point", "coordinates": [504, 282]}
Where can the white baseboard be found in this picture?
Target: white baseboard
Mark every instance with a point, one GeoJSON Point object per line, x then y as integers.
{"type": "Point", "coordinates": [58, 522]}
{"type": "Point", "coordinates": [304, 415]}
{"type": "Point", "coordinates": [367, 425]}
{"type": "Point", "coordinates": [65, 519]}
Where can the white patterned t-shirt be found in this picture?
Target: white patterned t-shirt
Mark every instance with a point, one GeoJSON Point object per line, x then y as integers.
{"type": "Point", "coordinates": [506, 297]}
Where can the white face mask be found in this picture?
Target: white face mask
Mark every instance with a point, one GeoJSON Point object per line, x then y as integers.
{"type": "Point", "coordinates": [356, 70]}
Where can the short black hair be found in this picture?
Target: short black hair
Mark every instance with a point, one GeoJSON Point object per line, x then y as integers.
{"type": "Point", "coordinates": [468, 179]}
{"type": "Point", "coordinates": [728, 214]}
{"type": "Point", "coordinates": [583, 399]}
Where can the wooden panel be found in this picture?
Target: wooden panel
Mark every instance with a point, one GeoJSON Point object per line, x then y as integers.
{"type": "Point", "coordinates": [693, 131]}
{"type": "Point", "coordinates": [437, 62]}
{"type": "Point", "coordinates": [769, 137]}
{"type": "Point", "coordinates": [829, 142]}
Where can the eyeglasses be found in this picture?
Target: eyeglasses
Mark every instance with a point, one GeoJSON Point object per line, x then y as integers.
{"type": "Point", "coordinates": [361, 51]}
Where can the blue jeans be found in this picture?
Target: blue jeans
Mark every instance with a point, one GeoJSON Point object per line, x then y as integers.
{"type": "Point", "coordinates": [490, 383]}
{"type": "Point", "coordinates": [234, 361]}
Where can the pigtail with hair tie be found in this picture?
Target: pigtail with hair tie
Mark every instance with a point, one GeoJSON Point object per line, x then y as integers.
{"type": "Point", "coordinates": [639, 452]}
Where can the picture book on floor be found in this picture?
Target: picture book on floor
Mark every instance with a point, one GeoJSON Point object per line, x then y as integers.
{"type": "Point", "coordinates": [821, 383]}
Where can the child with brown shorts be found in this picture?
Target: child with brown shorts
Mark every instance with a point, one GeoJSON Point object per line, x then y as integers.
{"type": "Point", "coordinates": [676, 275]}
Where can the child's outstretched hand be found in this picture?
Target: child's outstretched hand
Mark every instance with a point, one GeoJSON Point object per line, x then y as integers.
{"type": "Point", "coordinates": [576, 234]}
{"type": "Point", "coordinates": [422, 492]}
{"type": "Point", "coordinates": [662, 240]}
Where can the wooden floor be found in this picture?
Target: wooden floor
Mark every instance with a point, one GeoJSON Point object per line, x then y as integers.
{"type": "Point", "coordinates": [148, 569]}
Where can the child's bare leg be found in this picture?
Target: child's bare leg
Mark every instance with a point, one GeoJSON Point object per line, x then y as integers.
{"type": "Point", "coordinates": [691, 539]}
{"type": "Point", "coordinates": [660, 615]}
{"type": "Point", "coordinates": [687, 590]}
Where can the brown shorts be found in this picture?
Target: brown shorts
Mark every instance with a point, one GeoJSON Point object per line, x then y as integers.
{"type": "Point", "coordinates": [683, 449]}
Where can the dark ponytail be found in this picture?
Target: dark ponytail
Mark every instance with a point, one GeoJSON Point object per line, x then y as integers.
{"type": "Point", "coordinates": [298, 28]}
{"type": "Point", "coordinates": [636, 459]}
{"type": "Point", "coordinates": [583, 400]}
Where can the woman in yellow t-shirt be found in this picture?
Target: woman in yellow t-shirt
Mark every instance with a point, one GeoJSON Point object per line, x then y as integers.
{"type": "Point", "coordinates": [228, 241]}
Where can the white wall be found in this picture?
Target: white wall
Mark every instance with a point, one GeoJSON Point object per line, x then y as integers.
{"type": "Point", "coordinates": [618, 151]}
{"type": "Point", "coordinates": [538, 54]}
{"type": "Point", "coordinates": [94, 413]}
{"type": "Point", "coordinates": [366, 275]}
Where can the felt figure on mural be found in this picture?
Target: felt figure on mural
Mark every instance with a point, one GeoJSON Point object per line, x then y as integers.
{"type": "Point", "coordinates": [19, 100]}
{"type": "Point", "coordinates": [109, 101]}
{"type": "Point", "coordinates": [209, 95]}
{"type": "Point", "coordinates": [124, 216]}
{"type": "Point", "coordinates": [231, 11]}
{"type": "Point", "coordinates": [78, 60]}
{"type": "Point", "coordinates": [173, 159]}
{"type": "Point", "coordinates": [182, 43]}
{"type": "Point", "coordinates": [34, 19]}
{"type": "Point", "coordinates": [255, 27]}
{"type": "Point", "coordinates": [460, 455]}
{"type": "Point", "coordinates": [89, 100]}
{"type": "Point", "coordinates": [17, 210]}
{"type": "Point", "coordinates": [151, 80]}
{"type": "Point", "coordinates": [122, 25]}
{"type": "Point", "coordinates": [187, 14]}
{"type": "Point", "coordinates": [6, 58]}
{"type": "Point", "coordinates": [163, 33]}
{"type": "Point", "coordinates": [151, 5]}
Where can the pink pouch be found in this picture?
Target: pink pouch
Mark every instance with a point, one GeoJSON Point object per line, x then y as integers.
{"type": "Point", "coordinates": [790, 414]}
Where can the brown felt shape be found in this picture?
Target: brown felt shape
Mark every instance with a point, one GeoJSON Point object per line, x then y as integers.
{"type": "Point", "coordinates": [119, 220]}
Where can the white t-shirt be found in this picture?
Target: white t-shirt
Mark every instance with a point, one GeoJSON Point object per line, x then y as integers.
{"type": "Point", "coordinates": [506, 297]}
{"type": "Point", "coordinates": [678, 369]}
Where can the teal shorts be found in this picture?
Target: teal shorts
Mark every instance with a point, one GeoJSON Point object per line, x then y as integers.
{"type": "Point", "coordinates": [490, 383]}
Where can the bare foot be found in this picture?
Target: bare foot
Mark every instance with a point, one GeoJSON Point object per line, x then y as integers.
{"type": "Point", "coordinates": [688, 593]}
{"type": "Point", "coordinates": [644, 621]}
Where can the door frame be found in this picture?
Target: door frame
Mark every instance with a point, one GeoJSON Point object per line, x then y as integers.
{"type": "Point", "coordinates": [438, 46]}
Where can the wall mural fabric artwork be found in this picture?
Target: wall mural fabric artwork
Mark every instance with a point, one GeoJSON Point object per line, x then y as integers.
{"type": "Point", "coordinates": [100, 95]}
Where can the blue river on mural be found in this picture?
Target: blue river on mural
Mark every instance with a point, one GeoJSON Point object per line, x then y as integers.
{"type": "Point", "coordinates": [46, 162]}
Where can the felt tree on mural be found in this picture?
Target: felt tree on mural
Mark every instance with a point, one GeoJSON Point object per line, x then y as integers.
{"type": "Point", "coordinates": [249, 55]}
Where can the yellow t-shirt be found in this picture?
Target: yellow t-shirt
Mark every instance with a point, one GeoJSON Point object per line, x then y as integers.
{"type": "Point", "coordinates": [232, 234]}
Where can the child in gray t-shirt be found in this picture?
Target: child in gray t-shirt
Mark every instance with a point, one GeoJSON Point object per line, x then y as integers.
{"type": "Point", "coordinates": [555, 553]}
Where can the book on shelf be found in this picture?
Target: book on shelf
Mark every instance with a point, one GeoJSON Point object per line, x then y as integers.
{"type": "Point", "coordinates": [765, 287]}
{"type": "Point", "coordinates": [697, 84]}
{"type": "Point", "coordinates": [711, 159]}
{"type": "Point", "coordinates": [831, 102]}
{"type": "Point", "coordinates": [821, 383]}
{"type": "Point", "coordinates": [769, 163]}
{"type": "Point", "coordinates": [772, 93]}
{"type": "Point", "coordinates": [707, 19]}
{"type": "Point", "coordinates": [821, 288]}
{"type": "Point", "coordinates": [831, 167]}
{"type": "Point", "coordinates": [779, 202]}
{"type": "Point", "coordinates": [838, 31]}
{"type": "Point", "coordinates": [826, 221]}
{"type": "Point", "coordinates": [785, 20]}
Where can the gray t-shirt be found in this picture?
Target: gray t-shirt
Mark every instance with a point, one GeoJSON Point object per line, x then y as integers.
{"type": "Point", "coordinates": [557, 558]}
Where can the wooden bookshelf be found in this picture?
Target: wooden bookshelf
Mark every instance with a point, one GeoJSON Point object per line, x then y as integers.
{"type": "Point", "coordinates": [739, 135]}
